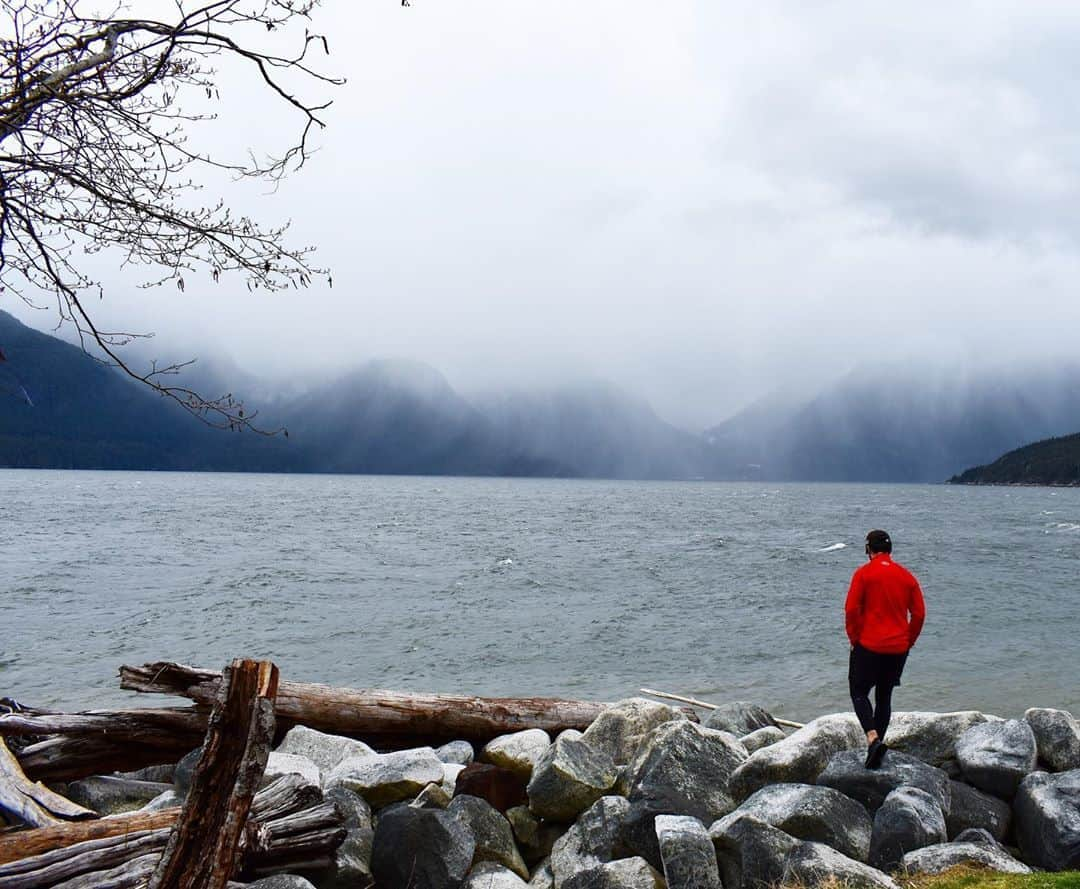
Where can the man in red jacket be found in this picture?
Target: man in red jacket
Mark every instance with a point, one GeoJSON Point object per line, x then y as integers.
{"type": "Point", "coordinates": [884, 615]}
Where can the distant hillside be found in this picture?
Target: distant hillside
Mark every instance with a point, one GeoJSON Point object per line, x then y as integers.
{"type": "Point", "coordinates": [1055, 461]}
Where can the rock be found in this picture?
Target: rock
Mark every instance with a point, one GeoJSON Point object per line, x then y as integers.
{"type": "Point", "coordinates": [627, 873]}
{"type": "Point", "coordinates": [568, 778]}
{"type": "Point", "coordinates": [809, 812]}
{"type": "Point", "coordinates": [847, 773]}
{"type": "Point", "coordinates": [451, 770]}
{"type": "Point", "coordinates": [432, 797]}
{"type": "Point", "coordinates": [534, 837]}
{"type": "Point", "coordinates": [502, 788]}
{"type": "Point", "coordinates": [542, 877]}
{"type": "Point", "coordinates": [458, 752]}
{"type": "Point", "coordinates": [353, 807]}
{"type": "Point", "coordinates": [1047, 820]}
{"type": "Point", "coordinates": [420, 849]}
{"type": "Point", "coordinates": [278, 764]}
{"type": "Point", "coordinates": [518, 752]}
{"type": "Point", "coordinates": [971, 808]}
{"type": "Point", "coordinates": [282, 881]}
{"type": "Point", "coordinates": [170, 799]}
{"type": "Point", "coordinates": [909, 819]}
{"type": "Point", "coordinates": [327, 752]}
{"type": "Point", "coordinates": [593, 840]}
{"type": "Point", "coordinates": [750, 853]}
{"type": "Point", "coordinates": [184, 770]}
{"type": "Point", "coordinates": [930, 737]}
{"type": "Point", "coordinates": [384, 778]}
{"type": "Point", "coordinates": [995, 756]}
{"type": "Point", "coordinates": [683, 769]}
{"type": "Point", "coordinates": [815, 864]}
{"type": "Point", "coordinates": [162, 774]}
{"type": "Point", "coordinates": [109, 796]}
{"type": "Point", "coordinates": [491, 875]}
{"type": "Point", "coordinates": [763, 737]}
{"type": "Point", "coordinates": [687, 853]}
{"type": "Point", "coordinates": [494, 838]}
{"type": "Point", "coordinates": [1057, 738]}
{"type": "Point", "coordinates": [740, 718]}
{"type": "Point", "coordinates": [352, 862]}
{"type": "Point", "coordinates": [571, 734]}
{"type": "Point", "coordinates": [620, 729]}
{"type": "Point", "coordinates": [800, 757]}
{"type": "Point", "coordinates": [939, 858]}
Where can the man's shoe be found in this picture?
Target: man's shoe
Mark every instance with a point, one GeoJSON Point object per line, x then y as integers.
{"type": "Point", "coordinates": [876, 754]}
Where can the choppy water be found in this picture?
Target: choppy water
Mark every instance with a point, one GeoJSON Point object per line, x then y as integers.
{"type": "Point", "coordinates": [492, 586]}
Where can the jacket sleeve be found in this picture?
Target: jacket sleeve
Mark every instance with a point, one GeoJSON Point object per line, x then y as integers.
{"type": "Point", "coordinates": [917, 607]}
{"type": "Point", "coordinates": [853, 616]}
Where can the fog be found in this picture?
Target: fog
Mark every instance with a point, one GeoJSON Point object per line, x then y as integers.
{"type": "Point", "coordinates": [700, 202]}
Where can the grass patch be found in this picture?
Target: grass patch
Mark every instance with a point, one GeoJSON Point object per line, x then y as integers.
{"type": "Point", "coordinates": [979, 878]}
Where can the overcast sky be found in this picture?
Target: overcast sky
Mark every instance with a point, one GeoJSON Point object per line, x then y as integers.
{"type": "Point", "coordinates": [700, 201]}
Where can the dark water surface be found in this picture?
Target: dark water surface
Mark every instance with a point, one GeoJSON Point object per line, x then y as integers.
{"type": "Point", "coordinates": [496, 586]}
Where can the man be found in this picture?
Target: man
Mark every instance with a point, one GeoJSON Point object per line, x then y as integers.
{"type": "Point", "coordinates": [884, 615]}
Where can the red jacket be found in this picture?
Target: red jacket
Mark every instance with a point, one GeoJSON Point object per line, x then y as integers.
{"type": "Point", "coordinates": [882, 595]}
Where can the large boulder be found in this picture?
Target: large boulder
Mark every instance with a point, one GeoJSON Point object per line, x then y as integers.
{"type": "Point", "coordinates": [847, 773]}
{"type": "Point", "coordinates": [353, 808]}
{"type": "Point", "coordinates": [279, 764]}
{"type": "Point", "coordinates": [930, 737]}
{"type": "Point", "coordinates": [627, 873]}
{"type": "Point", "coordinates": [800, 757]}
{"type": "Point", "coordinates": [1057, 738]}
{"type": "Point", "coordinates": [593, 840]}
{"type": "Point", "coordinates": [763, 737]}
{"type": "Point", "coordinates": [909, 819]}
{"type": "Point", "coordinates": [491, 875]}
{"type": "Point", "coordinates": [809, 812]}
{"type": "Point", "coordinates": [687, 853]}
{"type": "Point", "coordinates": [815, 864]}
{"type": "Point", "coordinates": [458, 752]}
{"type": "Point", "coordinates": [519, 752]}
{"type": "Point", "coordinates": [1047, 820]}
{"type": "Point", "coordinates": [569, 777]}
{"type": "Point", "coordinates": [420, 849]}
{"type": "Point", "coordinates": [326, 751]}
{"type": "Point", "coordinates": [109, 796]}
{"type": "Point", "coordinates": [500, 787]}
{"type": "Point", "coordinates": [971, 808]}
{"type": "Point", "coordinates": [750, 853]}
{"type": "Point", "coordinates": [995, 756]}
{"type": "Point", "coordinates": [683, 769]}
{"type": "Point", "coordinates": [981, 851]}
{"type": "Point", "coordinates": [740, 718]}
{"type": "Point", "coordinates": [620, 729]}
{"type": "Point", "coordinates": [385, 778]}
{"type": "Point", "coordinates": [351, 868]}
{"type": "Point", "coordinates": [491, 832]}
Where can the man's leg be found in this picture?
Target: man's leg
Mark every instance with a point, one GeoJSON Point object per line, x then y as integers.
{"type": "Point", "coordinates": [860, 681]}
{"type": "Point", "coordinates": [882, 707]}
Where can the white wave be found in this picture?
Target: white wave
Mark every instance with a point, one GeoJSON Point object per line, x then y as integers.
{"type": "Point", "coordinates": [1067, 526]}
{"type": "Point", "coordinates": [832, 547]}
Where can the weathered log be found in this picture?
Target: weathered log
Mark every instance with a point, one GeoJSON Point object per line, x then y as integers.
{"type": "Point", "coordinates": [150, 726]}
{"type": "Point", "coordinates": [32, 803]}
{"type": "Point", "coordinates": [70, 758]}
{"type": "Point", "coordinates": [383, 718]}
{"type": "Point", "coordinates": [130, 875]}
{"type": "Point", "coordinates": [88, 858]}
{"type": "Point", "coordinates": [204, 848]}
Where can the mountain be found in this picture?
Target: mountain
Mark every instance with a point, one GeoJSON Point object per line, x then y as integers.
{"type": "Point", "coordinates": [1055, 461]}
{"type": "Point", "coordinates": [889, 424]}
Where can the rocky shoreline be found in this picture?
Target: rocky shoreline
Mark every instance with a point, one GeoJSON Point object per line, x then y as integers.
{"type": "Point", "coordinates": [647, 797]}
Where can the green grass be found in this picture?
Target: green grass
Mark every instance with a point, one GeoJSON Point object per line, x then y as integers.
{"type": "Point", "coordinates": [978, 878]}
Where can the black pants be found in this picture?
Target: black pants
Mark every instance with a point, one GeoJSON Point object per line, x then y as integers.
{"type": "Point", "coordinates": [881, 672]}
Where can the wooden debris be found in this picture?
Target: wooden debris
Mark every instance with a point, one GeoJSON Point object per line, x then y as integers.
{"type": "Point", "coordinates": [33, 803]}
{"type": "Point", "coordinates": [705, 704]}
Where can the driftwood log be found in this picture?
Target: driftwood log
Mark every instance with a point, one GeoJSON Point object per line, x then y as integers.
{"type": "Point", "coordinates": [32, 803]}
{"type": "Point", "coordinates": [204, 847]}
{"type": "Point", "coordinates": [386, 719]}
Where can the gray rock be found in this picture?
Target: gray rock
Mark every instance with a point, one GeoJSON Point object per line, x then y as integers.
{"type": "Point", "coordinates": [451, 770]}
{"type": "Point", "coordinates": [434, 796]}
{"type": "Point", "coordinates": [939, 858]}
{"type": "Point", "coordinates": [383, 778]}
{"type": "Point", "coordinates": [978, 835]}
{"type": "Point", "coordinates": [185, 768]}
{"type": "Point", "coordinates": [1047, 820]}
{"type": "Point", "coordinates": [352, 862]}
{"type": "Point", "coordinates": [593, 840]}
{"type": "Point", "coordinates": [535, 838]}
{"type": "Point", "coordinates": [542, 877]}
{"type": "Point", "coordinates": [459, 752]}
{"type": "Point", "coordinates": [847, 773]}
{"type": "Point", "coordinates": [109, 796]}
{"type": "Point", "coordinates": [162, 774]}
{"type": "Point", "coordinates": [930, 737]}
{"type": "Point", "coordinates": [750, 853]}
{"type": "Point", "coordinates": [627, 873]}
{"type": "Point", "coordinates": [800, 757]}
{"type": "Point", "coordinates": [278, 764]}
{"type": "Point", "coordinates": [995, 756]}
{"type": "Point", "coordinates": [971, 808]}
{"type": "Point", "coordinates": [170, 799]}
{"type": "Point", "coordinates": [353, 807]}
{"type": "Point", "coordinates": [682, 769]}
{"type": "Point", "coordinates": [327, 752]}
{"type": "Point", "coordinates": [909, 819]}
{"type": "Point", "coordinates": [740, 718]}
{"type": "Point", "coordinates": [687, 853]}
{"type": "Point", "coordinates": [281, 881]}
{"type": "Point", "coordinates": [809, 812]}
{"type": "Point", "coordinates": [494, 838]}
{"type": "Point", "coordinates": [815, 864]}
{"type": "Point", "coordinates": [519, 752]}
{"type": "Point", "coordinates": [763, 737]}
{"type": "Point", "coordinates": [420, 849]}
{"type": "Point", "coordinates": [1057, 738]}
{"type": "Point", "coordinates": [492, 875]}
{"type": "Point", "coordinates": [621, 729]}
{"type": "Point", "coordinates": [570, 777]}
